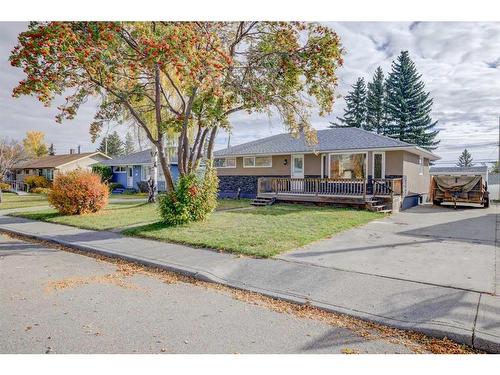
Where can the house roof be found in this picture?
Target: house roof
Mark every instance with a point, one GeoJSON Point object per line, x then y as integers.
{"type": "Point", "coordinates": [55, 161]}
{"type": "Point", "coordinates": [458, 170]}
{"type": "Point", "coordinates": [331, 140]}
{"type": "Point", "coordinates": [137, 158]}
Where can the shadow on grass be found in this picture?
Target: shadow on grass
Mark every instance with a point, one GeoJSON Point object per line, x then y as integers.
{"type": "Point", "coordinates": [126, 205]}
{"type": "Point", "coordinates": [152, 227]}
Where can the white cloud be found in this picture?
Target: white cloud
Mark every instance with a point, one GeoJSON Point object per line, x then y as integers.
{"type": "Point", "coordinates": [459, 62]}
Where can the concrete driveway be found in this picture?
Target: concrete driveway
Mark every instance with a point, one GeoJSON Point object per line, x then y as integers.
{"type": "Point", "coordinates": [426, 244]}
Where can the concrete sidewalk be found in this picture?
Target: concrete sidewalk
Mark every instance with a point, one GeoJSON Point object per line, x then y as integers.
{"type": "Point", "coordinates": [465, 316]}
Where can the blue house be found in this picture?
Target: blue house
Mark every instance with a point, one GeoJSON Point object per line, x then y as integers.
{"type": "Point", "coordinates": [130, 170]}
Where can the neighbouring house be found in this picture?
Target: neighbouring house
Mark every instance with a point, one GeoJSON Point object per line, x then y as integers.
{"type": "Point", "coordinates": [347, 165]}
{"type": "Point", "coordinates": [49, 166]}
{"type": "Point", "coordinates": [133, 169]}
{"type": "Point", "coordinates": [494, 185]}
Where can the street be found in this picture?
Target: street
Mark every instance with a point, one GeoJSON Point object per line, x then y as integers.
{"type": "Point", "coordinates": [54, 301]}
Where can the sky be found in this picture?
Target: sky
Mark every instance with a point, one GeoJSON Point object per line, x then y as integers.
{"type": "Point", "coordinates": [459, 63]}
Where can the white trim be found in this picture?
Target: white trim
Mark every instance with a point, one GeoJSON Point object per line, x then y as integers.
{"type": "Point", "coordinates": [225, 158]}
{"type": "Point", "coordinates": [119, 166]}
{"type": "Point", "coordinates": [130, 179]}
{"type": "Point", "coordinates": [420, 165]}
{"type": "Point", "coordinates": [293, 156]}
{"type": "Point", "coordinates": [349, 153]}
{"type": "Point", "coordinates": [257, 166]}
{"type": "Point", "coordinates": [383, 163]}
{"type": "Point", "coordinates": [83, 157]}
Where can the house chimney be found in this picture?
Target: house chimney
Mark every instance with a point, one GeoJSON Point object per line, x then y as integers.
{"type": "Point", "coordinates": [79, 149]}
{"type": "Point", "coordinates": [71, 151]}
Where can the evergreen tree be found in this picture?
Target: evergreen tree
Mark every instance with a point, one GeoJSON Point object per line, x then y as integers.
{"type": "Point", "coordinates": [52, 150]}
{"type": "Point", "coordinates": [408, 105]}
{"type": "Point", "coordinates": [375, 104]}
{"type": "Point", "coordinates": [465, 159]}
{"type": "Point", "coordinates": [114, 146]}
{"type": "Point", "coordinates": [355, 111]}
{"type": "Point", "coordinates": [129, 144]}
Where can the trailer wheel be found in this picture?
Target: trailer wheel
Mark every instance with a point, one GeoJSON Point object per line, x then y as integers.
{"type": "Point", "coordinates": [436, 203]}
{"type": "Point", "coordinates": [486, 203]}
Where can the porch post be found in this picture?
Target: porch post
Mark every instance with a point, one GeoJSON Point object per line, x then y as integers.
{"type": "Point", "coordinates": [364, 189]}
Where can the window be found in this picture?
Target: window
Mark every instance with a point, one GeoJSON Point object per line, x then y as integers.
{"type": "Point", "coordinates": [47, 173]}
{"type": "Point", "coordinates": [348, 166]}
{"type": "Point", "coordinates": [258, 162]}
{"type": "Point", "coordinates": [378, 165]}
{"type": "Point", "coordinates": [119, 169]}
{"type": "Point", "coordinates": [420, 165]}
{"type": "Point", "coordinates": [146, 172]}
{"type": "Point", "coordinates": [225, 162]}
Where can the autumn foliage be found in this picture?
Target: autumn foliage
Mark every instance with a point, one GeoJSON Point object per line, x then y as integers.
{"type": "Point", "coordinates": [36, 182]}
{"type": "Point", "coordinates": [78, 192]}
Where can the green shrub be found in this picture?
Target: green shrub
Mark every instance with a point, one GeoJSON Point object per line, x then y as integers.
{"type": "Point", "coordinates": [4, 186]}
{"type": "Point", "coordinates": [194, 199]}
{"type": "Point", "coordinates": [104, 171]}
{"type": "Point", "coordinates": [36, 182]}
{"type": "Point", "coordinates": [39, 190]}
{"type": "Point", "coordinates": [78, 192]}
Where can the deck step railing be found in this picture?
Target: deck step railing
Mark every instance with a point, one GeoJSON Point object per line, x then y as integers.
{"type": "Point", "coordinates": [327, 186]}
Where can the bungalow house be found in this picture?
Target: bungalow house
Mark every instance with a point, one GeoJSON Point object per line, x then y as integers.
{"type": "Point", "coordinates": [49, 166]}
{"type": "Point", "coordinates": [130, 170]}
{"type": "Point", "coordinates": [347, 165]}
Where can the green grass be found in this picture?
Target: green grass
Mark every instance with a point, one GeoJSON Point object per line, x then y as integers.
{"type": "Point", "coordinates": [115, 215]}
{"type": "Point", "coordinates": [11, 200]}
{"type": "Point", "coordinates": [263, 231]}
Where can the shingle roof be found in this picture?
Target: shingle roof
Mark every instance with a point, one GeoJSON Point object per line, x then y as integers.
{"type": "Point", "coordinates": [328, 140]}
{"type": "Point", "coordinates": [141, 157]}
{"type": "Point", "coordinates": [54, 161]}
{"type": "Point", "coordinates": [454, 170]}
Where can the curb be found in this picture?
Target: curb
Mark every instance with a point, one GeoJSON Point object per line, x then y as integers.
{"type": "Point", "coordinates": [434, 329]}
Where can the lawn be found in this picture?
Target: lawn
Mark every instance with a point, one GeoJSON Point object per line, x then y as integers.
{"type": "Point", "coordinates": [235, 226]}
{"type": "Point", "coordinates": [263, 232]}
{"type": "Point", "coordinates": [11, 200]}
{"type": "Point", "coordinates": [116, 215]}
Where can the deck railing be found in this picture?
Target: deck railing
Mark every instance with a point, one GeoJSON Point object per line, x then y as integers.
{"type": "Point", "coordinates": [328, 187]}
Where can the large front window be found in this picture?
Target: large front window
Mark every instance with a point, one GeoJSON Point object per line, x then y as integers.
{"type": "Point", "coordinates": [347, 166]}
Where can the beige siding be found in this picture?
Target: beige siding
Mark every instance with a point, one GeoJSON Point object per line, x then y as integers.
{"type": "Point", "coordinates": [417, 183]}
{"type": "Point", "coordinates": [394, 163]}
{"type": "Point", "coordinates": [312, 165]}
{"type": "Point", "coordinates": [85, 163]}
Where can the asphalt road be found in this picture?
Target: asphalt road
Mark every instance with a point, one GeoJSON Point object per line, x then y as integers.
{"type": "Point", "coordinates": [53, 301]}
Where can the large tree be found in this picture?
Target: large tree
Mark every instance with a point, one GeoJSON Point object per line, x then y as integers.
{"type": "Point", "coordinates": [376, 118]}
{"type": "Point", "coordinates": [465, 159]}
{"type": "Point", "coordinates": [34, 144]}
{"type": "Point", "coordinates": [11, 153]}
{"type": "Point", "coordinates": [182, 79]}
{"type": "Point", "coordinates": [112, 145]}
{"type": "Point", "coordinates": [409, 106]}
{"type": "Point", "coordinates": [129, 146]}
{"type": "Point", "coordinates": [355, 110]}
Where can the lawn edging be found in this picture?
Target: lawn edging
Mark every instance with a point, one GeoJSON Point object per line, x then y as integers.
{"type": "Point", "coordinates": [435, 329]}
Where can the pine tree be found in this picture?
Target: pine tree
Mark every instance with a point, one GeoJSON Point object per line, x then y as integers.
{"type": "Point", "coordinates": [376, 118]}
{"type": "Point", "coordinates": [129, 144]}
{"type": "Point", "coordinates": [465, 159]}
{"type": "Point", "coordinates": [114, 145]}
{"type": "Point", "coordinates": [408, 105]}
{"type": "Point", "coordinates": [355, 111]}
{"type": "Point", "coordinates": [52, 150]}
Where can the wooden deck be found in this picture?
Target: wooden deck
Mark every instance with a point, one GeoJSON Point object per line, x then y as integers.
{"type": "Point", "coordinates": [322, 190]}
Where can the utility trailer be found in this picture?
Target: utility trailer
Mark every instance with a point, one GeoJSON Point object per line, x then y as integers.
{"type": "Point", "coordinates": [451, 188]}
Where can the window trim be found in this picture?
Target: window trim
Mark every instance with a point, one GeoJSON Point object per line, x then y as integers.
{"type": "Point", "coordinates": [383, 163]}
{"type": "Point", "coordinates": [348, 153]}
{"type": "Point", "coordinates": [122, 169]}
{"type": "Point", "coordinates": [420, 165]}
{"type": "Point", "coordinates": [254, 159]}
{"type": "Point", "coordinates": [225, 158]}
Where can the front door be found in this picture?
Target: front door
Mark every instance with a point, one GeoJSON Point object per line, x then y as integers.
{"type": "Point", "coordinates": [130, 177]}
{"type": "Point", "coordinates": [297, 171]}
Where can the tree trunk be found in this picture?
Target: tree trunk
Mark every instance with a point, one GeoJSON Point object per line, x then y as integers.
{"type": "Point", "coordinates": [211, 143]}
{"type": "Point", "coordinates": [153, 179]}
{"type": "Point", "coordinates": [165, 166]}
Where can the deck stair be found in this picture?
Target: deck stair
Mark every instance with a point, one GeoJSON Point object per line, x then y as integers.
{"type": "Point", "coordinates": [260, 201]}
{"type": "Point", "coordinates": [376, 205]}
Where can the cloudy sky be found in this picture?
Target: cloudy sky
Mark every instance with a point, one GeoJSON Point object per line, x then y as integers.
{"type": "Point", "coordinates": [459, 62]}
